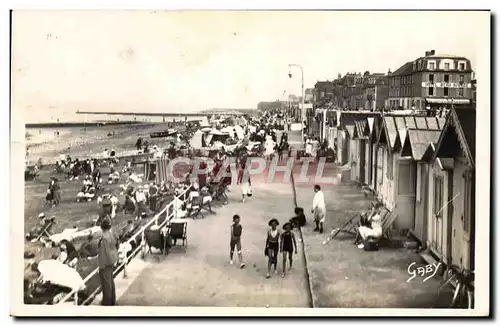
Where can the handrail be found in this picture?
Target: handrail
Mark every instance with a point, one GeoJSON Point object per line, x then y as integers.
{"type": "Point", "coordinates": [74, 293]}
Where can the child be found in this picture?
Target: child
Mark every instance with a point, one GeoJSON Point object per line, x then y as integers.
{"type": "Point", "coordinates": [272, 246]}
{"type": "Point", "coordinates": [288, 243]}
{"type": "Point", "coordinates": [236, 230]}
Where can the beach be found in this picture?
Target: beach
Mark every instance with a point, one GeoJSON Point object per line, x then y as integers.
{"type": "Point", "coordinates": [88, 141]}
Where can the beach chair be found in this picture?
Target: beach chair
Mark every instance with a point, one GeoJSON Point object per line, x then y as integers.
{"type": "Point", "coordinates": [387, 222]}
{"type": "Point", "coordinates": [178, 231]}
{"type": "Point", "coordinates": [348, 227]}
{"type": "Point", "coordinates": [196, 207]}
{"type": "Point", "coordinates": [154, 239]}
{"type": "Point", "coordinates": [47, 229]}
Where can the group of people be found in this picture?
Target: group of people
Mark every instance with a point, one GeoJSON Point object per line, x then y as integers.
{"type": "Point", "coordinates": [277, 242]}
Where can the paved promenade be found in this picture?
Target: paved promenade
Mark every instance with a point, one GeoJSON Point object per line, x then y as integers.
{"type": "Point", "coordinates": [202, 276]}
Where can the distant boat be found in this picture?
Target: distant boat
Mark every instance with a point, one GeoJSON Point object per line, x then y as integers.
{"type": "Point", "coordinates": [163, 134]}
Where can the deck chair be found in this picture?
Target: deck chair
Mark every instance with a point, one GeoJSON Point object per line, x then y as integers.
{"type": "Point", "coordinates": [178, 230]}
{"type": "Point", "coordinates": [154, 239]}
{"type": "Point", "coordinates": [47, 229]}
{"type": "Point", "coordinates": [348, 227]}
{"type": "Point", "coordinates": [387, 222]}
{"type": "Point", "coordinates": [196, 207]}
{"type": "Point", "coordinates": [388, 219]}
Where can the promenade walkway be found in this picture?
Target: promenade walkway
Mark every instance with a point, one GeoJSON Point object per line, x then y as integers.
{"type": "Point", "coordinates": [202, 275]}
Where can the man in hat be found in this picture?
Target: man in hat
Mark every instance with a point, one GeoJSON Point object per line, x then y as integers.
{"type": "Point", "coordinates": [108, 255]}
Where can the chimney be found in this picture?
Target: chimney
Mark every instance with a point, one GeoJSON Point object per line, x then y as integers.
{"type": "Point", "coordinates": [433, 52]}
{"type": "Point", "coordinates": [427, 53]}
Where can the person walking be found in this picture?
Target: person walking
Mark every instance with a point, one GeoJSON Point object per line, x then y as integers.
{"type": "Point", "coordinates": [235, 240]}
{"type": "Point", "coordinates": [108, 255]}
{"type": "Point", "coordinates": [287, 246]}
{"type": "Point", "coordinates": [272, 246]}
{"type": "Point", "coordinates": [56, 191]}
{"type": "Point", "coordinates": [319, 208]}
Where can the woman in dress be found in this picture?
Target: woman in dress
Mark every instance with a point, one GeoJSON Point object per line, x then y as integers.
{"type": "Point", "coordinates": [246, 186]}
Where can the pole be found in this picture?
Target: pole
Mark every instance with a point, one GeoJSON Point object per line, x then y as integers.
{"type": "Point", "coordinates": [302, 110]}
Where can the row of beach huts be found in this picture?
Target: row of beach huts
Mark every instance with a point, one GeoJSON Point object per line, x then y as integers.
{"type": "Point", "coordinates": [420, 167]}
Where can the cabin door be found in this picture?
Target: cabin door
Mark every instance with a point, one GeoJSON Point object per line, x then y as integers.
{"type": "Point", "coordinates": [362, 161]}
{"type": "Point", "coordinates": [439, 215]}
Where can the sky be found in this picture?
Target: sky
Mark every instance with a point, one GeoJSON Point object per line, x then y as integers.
{"type": "Point", "coordinates": [158, 61]}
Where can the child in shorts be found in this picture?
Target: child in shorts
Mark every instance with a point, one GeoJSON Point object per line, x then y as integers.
{"type": "Point", "coordinates": [235, 241]}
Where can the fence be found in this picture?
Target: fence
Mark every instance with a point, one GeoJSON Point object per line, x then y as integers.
{"type": "Point", "coordinates": [169, 212]}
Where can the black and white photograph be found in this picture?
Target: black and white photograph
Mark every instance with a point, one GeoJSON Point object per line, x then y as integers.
{"type": "Point", "coordinates": [194, 163]}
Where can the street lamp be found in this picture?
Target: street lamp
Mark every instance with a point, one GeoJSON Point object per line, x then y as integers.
{"type": "Point", "coordinates": [302, 115]}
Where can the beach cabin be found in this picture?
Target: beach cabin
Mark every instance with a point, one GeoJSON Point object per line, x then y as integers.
{"type": "Point", "coordinates": [362, 133]}
{"type": "Point", "coordinates": [451, 211]}
{"type": "Point", "coordinates": [418, 145]}
{"type": "Point", "coordinates": [373, 141]}
{"type": "Point", "coordinates": [332, 118]}
{"type": "Point", "coordinates": [397, 174]}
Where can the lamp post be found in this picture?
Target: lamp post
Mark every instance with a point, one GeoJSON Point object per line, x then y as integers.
{"type": "Point", "coordinates": [302, 115]}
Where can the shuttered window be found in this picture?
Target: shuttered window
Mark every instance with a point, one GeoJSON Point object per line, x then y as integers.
{"type": "Point", "coordinates": [438, 195]}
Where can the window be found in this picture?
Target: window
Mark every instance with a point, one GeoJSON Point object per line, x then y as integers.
{"type": "Point", "coordinates": [462, 66]}
{"type": "Point", "coordinates": [406, 179]}
{"type": "Point", "coordinates": [445, 91]}
{"type": "Point", "coordinates": [461, 78]}
{"type": "Point", "coordinates": [461, 92]}
{"type": "Point", "coordinates": [467, 217]}
{"type": "Point", "coordinates": [432, 65]}
{"type": "Point", "coordinates": [446, 78]}
{"type": "Point", "coordinates": [438, 195]}
{"type": "Point", "coordinates": [446, 66]}
{"type": "Point", "coordinates": [431, 91]}
{"type": "Point", "coordinates": [431, 78]}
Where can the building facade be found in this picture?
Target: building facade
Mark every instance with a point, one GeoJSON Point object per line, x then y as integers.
{"type": "Point", "coordinates": [431, 81]}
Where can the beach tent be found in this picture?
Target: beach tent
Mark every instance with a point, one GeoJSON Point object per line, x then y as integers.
{"type": "Point", "coordinates": [240, 133]}
{"type": "Point", "coordinates": [229, 130]}
{"type": "Point", "coordinates": [156, 169]}
{"type": "Point", "coordinates": [206, 129]}
{"type": "Point", "coordinates": [241, 121]}
{"type": "Point", "coordinates": [197, 139]}
{"type": "Point", "coordinates": [216, 135]}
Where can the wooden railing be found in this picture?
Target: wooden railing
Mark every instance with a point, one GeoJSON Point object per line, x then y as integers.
{"type": "Point", "coordinates": [123, 264]}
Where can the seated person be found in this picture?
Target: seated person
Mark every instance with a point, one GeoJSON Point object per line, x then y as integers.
{"type": "Point", "coordinates": [207, 198]}
{"type": "Point", "coordinates": [87, 192]}
{"type": "Point", "coordinates": [87, 181]}
{"type": "Point", "coordinates": [193, 193]}
{"type": "Point", "coordinates": [89, 248]}
{"type": "Point", "coordinates": [68, 254]}
{"type": "Point", "coordinates": [372, 227]}
{"type": "Point", "coordinates": [299, 220]}
{"type": "Point", "coordinates": [124, 250]}
{"type": "Point", "coordinates": [36, 230]}
{"type": "Point", "coordinates": [114, 176]}
{"type": "Point", "coordinates": [127, 167]}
